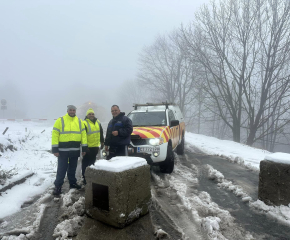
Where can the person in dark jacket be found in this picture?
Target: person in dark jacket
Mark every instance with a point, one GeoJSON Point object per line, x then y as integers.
{"type": "Point", "coordinates": [118, 134]}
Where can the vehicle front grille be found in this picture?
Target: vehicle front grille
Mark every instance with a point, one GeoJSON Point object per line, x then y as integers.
{"type": "Point", "coordinates": [139, 141]}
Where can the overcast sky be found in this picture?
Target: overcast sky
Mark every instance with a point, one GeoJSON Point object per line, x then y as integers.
{"type": "Point", "coordinates": [54, 53]}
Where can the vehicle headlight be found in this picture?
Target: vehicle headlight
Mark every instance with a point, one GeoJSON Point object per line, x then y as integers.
{"type": "Point", "coordinates": [156, 141]}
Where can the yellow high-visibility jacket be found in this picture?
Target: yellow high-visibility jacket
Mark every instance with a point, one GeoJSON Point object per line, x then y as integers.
{"type": "Point", "coordinates": [68, 134]}
{"type": "Point", "coordinates": [93, 132]}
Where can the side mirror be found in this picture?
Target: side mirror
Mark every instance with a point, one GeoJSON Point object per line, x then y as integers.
{"type": "Point", "coordinates": [174, 123]}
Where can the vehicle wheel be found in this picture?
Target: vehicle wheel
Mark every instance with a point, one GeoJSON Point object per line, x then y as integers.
{"type": "Point", "coordinates": [168, 165]}
{"type": "Point", "coordinates": [180, 147]}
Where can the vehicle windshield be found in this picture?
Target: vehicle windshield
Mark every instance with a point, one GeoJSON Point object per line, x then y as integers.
{"type": "Point", "coordinates": [148, 119]}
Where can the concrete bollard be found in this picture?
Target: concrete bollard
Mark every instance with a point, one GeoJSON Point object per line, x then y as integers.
{"type": "Point", "coordinates": [274, 179]}
{"type": "Point", "coordinates": [118, 190]}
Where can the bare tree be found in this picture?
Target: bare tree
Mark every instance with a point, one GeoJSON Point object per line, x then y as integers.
{"type": "Point", "coordinates": [273, 60]}
{"type": "Point", "coordinates": [167, 71]}
{"type": "Point", "coordinates": [243, 48]}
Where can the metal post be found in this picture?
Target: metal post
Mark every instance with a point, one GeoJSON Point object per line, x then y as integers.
{"type": "Point", "coordinates": [5, 130]}
{"type": "Point", "coordinates": [126, 150]}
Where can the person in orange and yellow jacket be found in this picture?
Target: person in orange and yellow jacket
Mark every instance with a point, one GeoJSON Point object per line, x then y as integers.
{"type": "Point", "coordinates": [68, 135]}
{"type": "Point", "coordinates": [95, 138]}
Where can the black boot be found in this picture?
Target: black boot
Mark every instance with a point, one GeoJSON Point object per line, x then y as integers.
{"type": "Point", "coordinates": [57, 191]}
{"type": "Point", "coordinates": [74, 185]}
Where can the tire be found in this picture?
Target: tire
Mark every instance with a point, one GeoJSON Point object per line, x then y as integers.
{"type": "Point", "coordinates": [168, 165]}
{"type": "Point", "coordinates": [180, 147]}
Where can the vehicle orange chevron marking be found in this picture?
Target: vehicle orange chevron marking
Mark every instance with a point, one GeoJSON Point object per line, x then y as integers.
{"type": "Point", "coordinates": [152, 132]}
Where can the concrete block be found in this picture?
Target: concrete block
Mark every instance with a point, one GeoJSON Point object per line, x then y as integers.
{"type": "Point", "coordinates": [274, 183]}
{"type": "Point", "coordinates": [118, 197]}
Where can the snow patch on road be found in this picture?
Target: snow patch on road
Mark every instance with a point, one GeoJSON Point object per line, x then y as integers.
{"type": "Point", "coordinates": [216, 222]}
{"type": "Point", "coordinates": [67, 199]}
{"type": "Point", "coordinates": [68, 228]}
{"type": "Point", "coordinates": [73, 208]}
{"type": "Point", "coordinates": [214, 174]}
{"type": "Point", "coordinates": [211, 224]}
{"type": "Point", "coordinates": [31, 231]}
{"type": "Point", "coordinates": [280, 213]}
{"type": "Point", "coordinates": [160, 234]}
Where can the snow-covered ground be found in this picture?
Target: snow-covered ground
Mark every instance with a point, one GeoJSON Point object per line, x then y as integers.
{"type": "Point", "coordinates": [28, 157]}
{"type": "Point", "coordinates": [235, 152]}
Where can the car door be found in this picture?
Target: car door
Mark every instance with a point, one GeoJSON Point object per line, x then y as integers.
{"type": "Point", "coordinates": [173, 130]}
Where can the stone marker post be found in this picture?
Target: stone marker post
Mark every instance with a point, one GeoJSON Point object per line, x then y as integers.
{"type": "Point", "coordinates": [274, 183]}
{"type": "Point", "coordinates": [118, 197]}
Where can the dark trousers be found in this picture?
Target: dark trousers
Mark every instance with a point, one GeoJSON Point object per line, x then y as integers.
{"type": "Point", "coordinates": [66, 163]}
{"type": "Point", "coordinates": [115, 151]}
{"type": "Point", "coordinates": [89, 159]}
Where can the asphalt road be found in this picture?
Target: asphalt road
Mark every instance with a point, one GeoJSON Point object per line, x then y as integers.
{"type": "Point", "coordinates": [259, 225]}
{"type": "Point", "coordinates": [168, 212]}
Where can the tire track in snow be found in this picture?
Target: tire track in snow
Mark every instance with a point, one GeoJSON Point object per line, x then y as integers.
{"type": "Point", "coordinates": [166, 191]}
{"type": "Point", "coordinates": [216, 222]}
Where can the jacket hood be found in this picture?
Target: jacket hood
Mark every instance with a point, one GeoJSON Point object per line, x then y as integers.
{"type": "Point", "coordinates": [93, 121]}
{"type": "Point", "coordinates": [89, 119]}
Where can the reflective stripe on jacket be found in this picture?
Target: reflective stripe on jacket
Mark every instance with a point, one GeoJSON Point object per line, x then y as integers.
{"type": "Point", "coordinates": [93, 132]}
{"type": "Point", "coordinates": [68, 134]}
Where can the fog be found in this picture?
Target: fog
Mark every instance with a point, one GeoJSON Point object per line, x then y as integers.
{"type": "Point", "coordinates": [56, 53]}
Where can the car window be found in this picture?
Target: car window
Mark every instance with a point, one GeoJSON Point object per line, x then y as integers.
{"type": "Point", "coordinates": [148, 119]}
{"type": "Point", "coordinates": [171, 116]}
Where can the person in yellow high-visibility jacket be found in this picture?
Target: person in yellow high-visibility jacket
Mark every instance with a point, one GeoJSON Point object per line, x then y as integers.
{"type": "Point", "coordinates": [95, 139]}
{"type": "Point", "coordinates": [68, 135]}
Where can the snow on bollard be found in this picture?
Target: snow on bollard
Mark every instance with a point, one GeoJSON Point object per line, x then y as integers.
{"type": "Point", "coordinates": [274, 179]}
{"type": "Point", "coordinates": [118, 190]}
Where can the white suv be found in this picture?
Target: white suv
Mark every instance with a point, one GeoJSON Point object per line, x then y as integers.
{"type": "Point", "coordinates": [158, 130]}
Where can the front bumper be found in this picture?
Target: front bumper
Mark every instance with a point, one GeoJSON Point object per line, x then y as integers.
{"type": "Point", "coordinates": [149, 155]}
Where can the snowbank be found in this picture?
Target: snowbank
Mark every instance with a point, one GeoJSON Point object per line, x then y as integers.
{"type": "Point", "coordinates": [30, 160]}
{"type": "Point", "coordinates": [247, 156]}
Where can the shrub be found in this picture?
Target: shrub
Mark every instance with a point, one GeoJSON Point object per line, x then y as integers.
{"type": "Point", "coordinates": [4, 175]}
